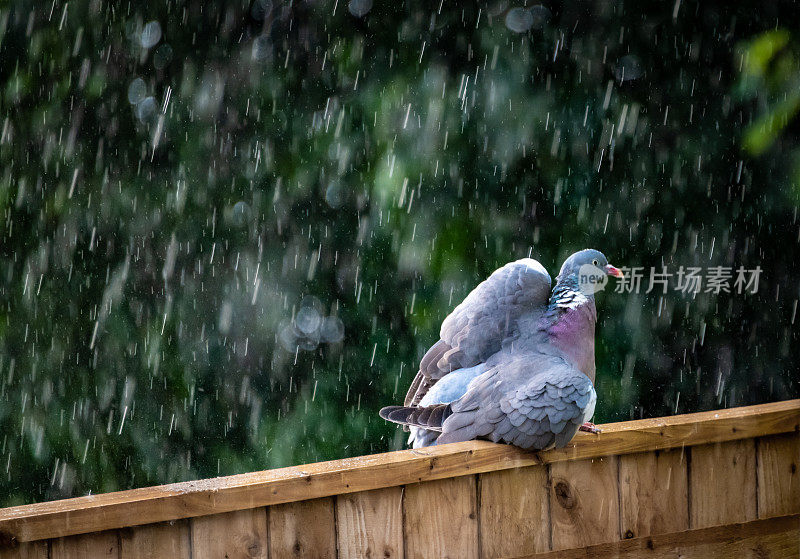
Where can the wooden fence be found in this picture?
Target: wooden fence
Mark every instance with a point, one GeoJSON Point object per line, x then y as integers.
{"type": "Point", "coordinates": [713, 484]}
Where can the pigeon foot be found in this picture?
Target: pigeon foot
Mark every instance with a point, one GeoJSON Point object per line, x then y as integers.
{"type": "Point", "coordinates": [590, 427]}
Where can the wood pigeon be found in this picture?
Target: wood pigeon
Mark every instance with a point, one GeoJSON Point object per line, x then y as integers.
{"type": "Point", "coordinates": [515, 362]}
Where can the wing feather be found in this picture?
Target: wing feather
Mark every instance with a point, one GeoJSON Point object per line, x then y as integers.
{"type": "Point", "coordinates": [535, 403]}
{"type": "Point", "coordinates": [478, 327]}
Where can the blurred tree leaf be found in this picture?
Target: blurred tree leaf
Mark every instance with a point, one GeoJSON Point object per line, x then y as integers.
{"type": "Point", "coordinates": [759, 136]}
{"type": "Point", "coordinates": [771, 75]}
{"type": "Point", "coordinates": [761, 51]}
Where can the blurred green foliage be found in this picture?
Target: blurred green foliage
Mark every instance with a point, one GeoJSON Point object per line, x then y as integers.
{"type": "Point", "coordinates": [772, 70]}
{"type": "Point", "coordinates": [187, 224]}
{"type": "Point", "coordinates": [771, 76]}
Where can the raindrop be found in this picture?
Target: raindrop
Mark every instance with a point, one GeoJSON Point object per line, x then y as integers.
{"type": "Point", "coordinates": [225, 317]}
{"type": "Point", "coordinates": [287, 336]}
{"type": "Point", "coordinates": [241, 213]}
{"type": "Point", "coordinates": [162, 56]}
{"type": "Point", "coordinates": [311, 301]}
{"type": "Point", "coordinates": [262, 48]}
{"type": "Point", "coordinates": [359, 8]}
{"type": "Point", "coordinates": [151, 34]}
{"type": "Point", "coordinates": [309, 317]}
{"type": "Point", "coordinates": [136, 91]}
{"type": "Point", "coordinates": [334, 195]}
{"type": "Point", "coordinates": [308, 320]}
{"type": "Point", "coordinates": [209, 94]}
{"type": "Point", "coordinates": [332, 329]}
{"type": "Point", "coordinates": [519, 20]}
{"type": "Point", "coordinates": [628, 68]}
{"type": "Point", "coordinates": [145, 108]}
{"type": "Point", "coordinates": [310, 342]}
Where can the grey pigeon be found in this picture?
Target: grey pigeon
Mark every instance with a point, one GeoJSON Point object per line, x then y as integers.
{"type": "Point", "coordinates": [515, 362]}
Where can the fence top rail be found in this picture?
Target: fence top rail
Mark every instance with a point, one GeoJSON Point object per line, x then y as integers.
{"type": "Point", "coordinates": [189, 499]}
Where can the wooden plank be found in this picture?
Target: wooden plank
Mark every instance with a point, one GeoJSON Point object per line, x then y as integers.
{"type": "Point", "coordinates": [441, 519]}
{"type": "Point", "coordinates": [779, 475]}
{"type": "Point", "coordinates": [102, 545]}
{"type": "Point", "coordinates": [30, 550]}
{"type": "Point", "coordinates": [722, 482]}
{"type": "Point", "coordinates": [653, 493]}
{"type": "Point", "coordinates": [514, 512]}
{"type": "Point", "coordinates": [370, 523]}
{"type": "Point", "coordinates": [198, 498]}
{"type": "Point", "coordinates": [303, 529]}
{"type": "Point", "coordinates": [584, 502]}
{"type": "Point", "coordinates": [233, 535]}
{"type": "Point", "coordinates": [153, 541]}
{"type": "Point", "coordinates": [758, 539]}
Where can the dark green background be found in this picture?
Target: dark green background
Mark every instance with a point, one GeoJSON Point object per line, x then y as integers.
{"type": "Point", "coordinates": [151, 265]}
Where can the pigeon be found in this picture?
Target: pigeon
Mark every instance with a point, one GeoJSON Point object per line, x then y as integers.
{"type": "Point", "coordinates": [514, 362]}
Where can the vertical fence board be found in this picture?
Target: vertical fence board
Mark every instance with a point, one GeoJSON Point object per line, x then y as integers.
{"type": "Point", "coordinates": [153, 541]}
{"type": "Point", "coordinates": [303, 529]}
{"type": "Point", "coordinates": [31, 550]}
{"type": "Point", "coordinates": [584, 502]}
{"type": "Point", "coordinates": [441, 519]}
{"type": "Point", "coordinates": [99, 545]}
{"type": "Point", "coordinates": [514, 512]}
{"type": "Point", "coordinates": [779, 475]}
{"type": "Point", "coordinates": [370, 523]}
{"type": "Point", "coordinates": [722, 483]}
{"type": "Point", "coordinates": [653, 493]}
{"type": "Point", "coordinates": [233, 535]}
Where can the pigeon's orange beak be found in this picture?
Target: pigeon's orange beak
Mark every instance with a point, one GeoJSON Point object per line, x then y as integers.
{"type": "Point", "coordinates": [615, 272]}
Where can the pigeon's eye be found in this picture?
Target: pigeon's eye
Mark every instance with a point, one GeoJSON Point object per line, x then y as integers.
{"type": "Point", "coordinates": [594, 262]}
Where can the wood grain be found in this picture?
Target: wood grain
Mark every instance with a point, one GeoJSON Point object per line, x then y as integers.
{"type": "Point", "coordinates": [31, 550]}
{"type": "Point", "coordinates": [370, 524]}
{"type": "Point", "coordinates": [653, 493]}
{"type": "Point", "coordinates": [514, 512]}
{"type": "Point", "coordinates": [759, 539]}
{"type": "Point", "coordinates": [258, 489]}
{"type": "Point", "coordinates": [441, 519]}
{"type": "Point", "coordinates": [584, 502]}
{"type": "Point", "coordinates": [168, 539]}
{"type": "Point", "coordinates": [779, 475]}
{"type": "Point", "coordinates": [303, 529]}
{"type": "Point", "coordinates": [233, 535]}
{"type": "Point", "coordinates": [102, 545]}
{"type": "Point", "coordinates": [722, 481]}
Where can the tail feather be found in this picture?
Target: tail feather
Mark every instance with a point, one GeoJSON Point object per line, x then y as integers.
{"type": "Point", "coordinates": [430, 418]}
{"type": "Point", "coordinates": [429, 365]}
{"type": "Point", "coordinates": [439, 414]}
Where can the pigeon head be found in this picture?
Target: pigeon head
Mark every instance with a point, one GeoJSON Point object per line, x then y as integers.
{"type": "Point", "coordinates": [587, 261]}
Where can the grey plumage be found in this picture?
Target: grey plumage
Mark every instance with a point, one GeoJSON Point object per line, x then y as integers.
{"type": "Point", "coordinates": [510, 404]}
{"type": "Point", "coordinates": [513, 364]}
{"type": "Point", "coordinates": [476, 328]}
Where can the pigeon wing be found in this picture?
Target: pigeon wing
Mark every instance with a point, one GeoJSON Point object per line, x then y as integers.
{"type": "Point", "coordinates": [543, 412]}
{"type": "Point", "coordinates": [477, 328]}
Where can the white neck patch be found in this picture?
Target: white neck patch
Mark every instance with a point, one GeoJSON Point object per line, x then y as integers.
{"type": "Point", "coordinates": [571, 300]}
